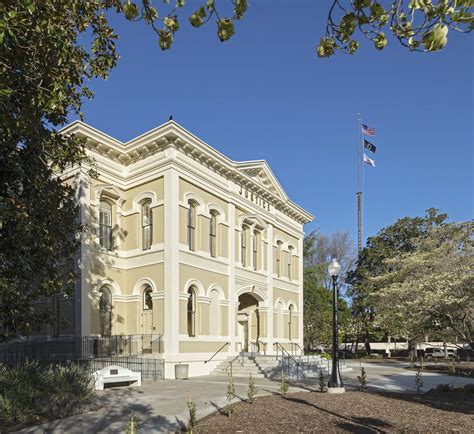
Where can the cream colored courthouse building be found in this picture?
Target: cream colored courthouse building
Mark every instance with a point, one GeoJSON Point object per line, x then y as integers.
{"type": "Point", "coordinates": [185, 243]}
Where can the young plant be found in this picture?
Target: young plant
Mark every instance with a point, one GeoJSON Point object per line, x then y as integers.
{"type": "Point", "coordinates": [192, 415]}
{"type": "Point", "coordinates": [132, 427]}
{"type": "Point", "coordinates": [362, 379]}
{"type": "Point", "coordinates": [283, 384]}
{"type": "Point", "coordinates": [252, 390]}
{"type": "Point", "coordinates": [418, 382]}
{"type": "Point", "coordinates": [230, 397]}
{"type": "Point", "coordinates": [452, 368]}
{"type": "Point", "coordinates": [322, 383]}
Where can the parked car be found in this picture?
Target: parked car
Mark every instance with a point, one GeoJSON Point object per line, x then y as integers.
{"type": "Point", "coordinates": [438, 353]}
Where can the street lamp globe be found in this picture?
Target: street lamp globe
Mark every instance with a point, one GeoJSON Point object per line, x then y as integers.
{"type": "Point", "coordinates": [334, 268]}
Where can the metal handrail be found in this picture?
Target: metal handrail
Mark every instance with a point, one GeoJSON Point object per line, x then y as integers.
{"type": "Point", "coordinates": [290, 356]}
{"type": "Point", "coordinates": [299, 346]}
{"type": "Point", "coordinates": [217, 352]}
{"type": "Point", "coordinates": [232, 361]}
{"type": "Point", "coordinates": [257, 343]}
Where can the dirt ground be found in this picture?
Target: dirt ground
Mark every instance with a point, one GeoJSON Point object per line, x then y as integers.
{"type": "Point", "coordinates": [359, 412]}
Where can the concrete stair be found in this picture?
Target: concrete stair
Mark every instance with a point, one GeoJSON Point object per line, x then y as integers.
{"type": "Point", "coordinates": [241, 367]}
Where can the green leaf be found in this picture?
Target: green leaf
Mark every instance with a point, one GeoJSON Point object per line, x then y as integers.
{"type": "Point", "coordinates": [380, 41]}
{"type": "Point", "coordinates": [225, 29]}
{"type": "Point", "coordinates": [196, 18]}
{"type": "Point", "coordinates": [172, 23]}
{"type": "Point", "coordinates": [130, 10]}
{"type": "Point", "coordinates": [165, 39]}
{"type": "Point", "coordinates": [436, 39]}
{"type": "Point", "coordinates": [240, 7]}
{"type": "Point", "coordinates": [327, 47]}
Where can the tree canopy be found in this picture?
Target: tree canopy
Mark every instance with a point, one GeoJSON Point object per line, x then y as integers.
{"type": "Point", "coordinates": [430, 289]}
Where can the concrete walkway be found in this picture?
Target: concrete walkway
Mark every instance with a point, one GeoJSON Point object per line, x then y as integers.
{"type": "Point", "coordinates": [158, 406]}
{"type": "Point", "coordinates": [161, 406]}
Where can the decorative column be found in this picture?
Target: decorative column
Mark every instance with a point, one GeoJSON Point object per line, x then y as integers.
{"type": "Point", "coordinates": [300, 291]}
{"type": "Point", "coordinates": [82, 290]}
{"type": "Point", "coordinates": [171, 258]}
{"type": "Point", "coordinates": [270, 301]}
{"type": "Point", "coordinates": [231, 289]}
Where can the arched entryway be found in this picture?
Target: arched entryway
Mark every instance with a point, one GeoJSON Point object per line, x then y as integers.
{"type": "Point", "coordinates": [248, 318]}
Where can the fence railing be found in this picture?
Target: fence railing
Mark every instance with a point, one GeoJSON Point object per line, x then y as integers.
{"type": "Point", "coordinates": [74, 347]}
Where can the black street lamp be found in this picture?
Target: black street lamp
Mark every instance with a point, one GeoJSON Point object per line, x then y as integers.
{"type": "Point", "coordinates": [335, 384]}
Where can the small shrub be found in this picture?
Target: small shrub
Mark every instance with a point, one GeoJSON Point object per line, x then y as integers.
{"type": "Point", "coordinates": [252, 389]}
{"type": "Point", "coordinates": [31, 393]}
{"type": "Point", "coordinates": [418, 382]}
{"type": "Point", "coordinates": [362, 380]}
{"type": "Point", "coordinates": [132, 427]}
{"type": "Point", "coordinates": [325, 356]}
{"type": "Point", "coordinates": [230, 397]}
{"type": "Point", "coordinates": [452, 368]}
{"type": "Point", "coordinates": [283, 384]}
{"type": "Point", "coordinates": [322, 383]}
{"type": "Point", "coordinates": [192, 415]}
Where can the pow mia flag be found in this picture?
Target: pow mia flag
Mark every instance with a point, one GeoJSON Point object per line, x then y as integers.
{"type": "Point", "coordinates": [369, 146]}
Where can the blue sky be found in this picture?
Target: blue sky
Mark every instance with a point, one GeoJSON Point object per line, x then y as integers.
{"type": "Point", "coordinates": [265, 95]}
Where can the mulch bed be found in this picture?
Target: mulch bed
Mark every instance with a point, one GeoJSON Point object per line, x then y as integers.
{"type": "Point", "coordinates": [359, 412]}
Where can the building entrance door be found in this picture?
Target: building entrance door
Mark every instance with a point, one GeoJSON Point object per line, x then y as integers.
{"type": "Point", "coordinates": [244, 335]}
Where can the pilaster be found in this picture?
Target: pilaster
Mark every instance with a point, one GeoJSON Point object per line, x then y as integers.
{"type": "Point", "coordinates": [300, 292]}
{"type": "Point", "coordinates": [270, 287]}
{"type": "Point", "coordinates": [232, 259]}
{"type": "Point", "coordinates": [171, 259]}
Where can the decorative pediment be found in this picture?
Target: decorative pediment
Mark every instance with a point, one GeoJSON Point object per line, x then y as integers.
{"type": "Point", "coordinates": [260, 171]}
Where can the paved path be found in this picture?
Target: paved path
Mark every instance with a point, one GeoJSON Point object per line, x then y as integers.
{"type": "Point", "coordinates": [158, 406]}
{"type": "Point", "coordinates": [161, 406]}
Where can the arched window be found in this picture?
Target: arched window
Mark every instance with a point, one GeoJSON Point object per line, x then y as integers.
{"type": "Point", "coordinates": [290, 258]}
{"type": "Point", "coordinates": [105, 311]}
{"type": "Point", "coordinates": [147, 300]}
{"type": "Point", "coordinates": [147, 225]}
{"type": "Point", "coordinates": [213, 234]}
{"type": "Point", "coordinates": [192, 311]}
{"type": "Point", "coordinates": [278, 258]}
{"type": "Point", "coordinates": [255, 250]}
{"type": "Point", "coordinates": [214, 314]}
{"type": "Point", "coordinates": [243, 246]}
{"type": "Point", "coordinates": [191, 225]}
{"type": "Point", "coordinates": [290, 321]}
{"type": "Point", "coordinates": [105, 225]}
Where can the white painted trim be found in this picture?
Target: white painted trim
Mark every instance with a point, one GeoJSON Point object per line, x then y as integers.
{"type": "Point", "coordinates": [108, 282]}
{"type": "Point", "coordinates": [139, 284]}
{"type": "Point", "coordinates": [196, 283]}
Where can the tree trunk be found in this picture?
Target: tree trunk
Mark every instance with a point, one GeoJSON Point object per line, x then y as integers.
{"type": "Point", "coordinates": [412, 344]}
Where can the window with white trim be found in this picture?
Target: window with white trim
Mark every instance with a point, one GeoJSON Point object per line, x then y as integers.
{"type": "Point", "coordinates": [105, 225]}
{"type": "Point", "coordinates": [213, 234]}
{"type": "Point", "coordinates": [243, 246]}
{"type": "Point", "coordinates": [147, 225]}
{"type": "Point", "coordinates": [255, 250]}
{"type": "Point", "coordinates": [192, 225]}
{"type": "Point", "coordinates": [192, 311]}
{"type": "Point", "coordinates": [290, 259]}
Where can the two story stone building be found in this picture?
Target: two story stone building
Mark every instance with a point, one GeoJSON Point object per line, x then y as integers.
{"type": "Point", "coordinates": [184, 243]}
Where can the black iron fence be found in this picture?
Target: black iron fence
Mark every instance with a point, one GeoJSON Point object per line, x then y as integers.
{"type": "Point", "coordinates": [151, 369]}
{"type": "Point", "coordinates": [73, 348]}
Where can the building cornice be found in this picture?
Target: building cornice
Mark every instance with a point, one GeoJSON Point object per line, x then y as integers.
{"type": "Point", "coordinates": [175, 136]}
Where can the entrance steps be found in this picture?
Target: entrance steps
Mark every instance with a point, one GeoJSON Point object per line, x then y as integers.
{"type": "Point", "coordinates": [261, 366]}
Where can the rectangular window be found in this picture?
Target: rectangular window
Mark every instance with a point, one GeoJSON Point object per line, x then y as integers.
{"type": "Point", "coordinates": [213, 235]}
{"type": "Point", "coordinates": [243, 243]}
{"type": "Point", "coordinates": [105, 226]}
{"type": "Point", "coordinates": [191, 226]}
{"type": "Point", "coordinates": [255, 251]}
{"type": "Point", "coordinates": [146, 226]}
{"type": "Point", "coordinates": [289, 265]}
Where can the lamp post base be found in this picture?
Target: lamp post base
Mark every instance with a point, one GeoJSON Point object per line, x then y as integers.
{"type": "Point", "coordinates": [336, 390]}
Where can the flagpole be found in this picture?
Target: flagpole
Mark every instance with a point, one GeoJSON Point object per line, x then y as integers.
{"type": "Point", "coordinates": [359, 192]}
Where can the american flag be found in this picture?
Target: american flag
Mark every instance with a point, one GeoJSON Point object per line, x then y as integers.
{"type": "Point", "coordinates": [368, 131]}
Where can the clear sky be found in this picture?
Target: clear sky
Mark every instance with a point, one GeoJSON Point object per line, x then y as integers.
{"type": "Point", "coordinates": [265, 95]}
